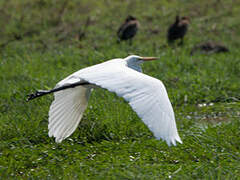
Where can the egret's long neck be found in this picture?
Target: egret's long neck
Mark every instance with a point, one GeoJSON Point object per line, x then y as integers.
{"type": "Point", "coordinates": [136, 65]}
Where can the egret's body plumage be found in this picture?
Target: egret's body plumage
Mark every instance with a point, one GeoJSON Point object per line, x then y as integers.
{"type": "Point", "coordinates": [146, 95]}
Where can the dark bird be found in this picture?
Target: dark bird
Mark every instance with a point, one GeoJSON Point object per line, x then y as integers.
{"type": "Point", "coordinates": [128, 29]}
{"type": "Point", "coordinates": [178, 29]}
{"type": "Point", "coordinates": [209, 48]}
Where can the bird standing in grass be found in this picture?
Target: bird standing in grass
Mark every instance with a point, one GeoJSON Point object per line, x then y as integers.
{"type": "Point", "coordinates": [128, 29]}
{"type": "Point", "coordinates": [146, 95]}
{"type": "Point", "coordinates": [178, 29]}
{"type": "Point", "coordinates": [209, 48]}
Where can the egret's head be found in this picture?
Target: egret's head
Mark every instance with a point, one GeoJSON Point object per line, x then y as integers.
{"type": "Point", "coordinates": [134, 61]}
{"type": "Point", "coordinates": [138, 59]}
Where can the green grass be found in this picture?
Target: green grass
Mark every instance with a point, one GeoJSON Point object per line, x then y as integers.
{"type": "Point", "coordinates": [38, 48]}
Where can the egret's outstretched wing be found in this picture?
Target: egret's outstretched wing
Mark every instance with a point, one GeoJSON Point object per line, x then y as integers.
{"type": "Point", "coordinates": [66, 111]}
{"type": "Point", "coordinates": [146, 95]}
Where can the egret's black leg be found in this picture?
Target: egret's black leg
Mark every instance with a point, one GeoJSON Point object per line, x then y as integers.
{"type": "Point", "coordinates": [40, 93]}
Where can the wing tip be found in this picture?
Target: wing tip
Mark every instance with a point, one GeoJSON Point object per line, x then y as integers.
{"type": "Point", "coordinates": [57, 139]}
{"type": "Point", "coordinates": [173, 141]}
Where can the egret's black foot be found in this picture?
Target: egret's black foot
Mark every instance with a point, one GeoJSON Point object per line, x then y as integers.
{"type": "Point", "coordinates": [36, 94]}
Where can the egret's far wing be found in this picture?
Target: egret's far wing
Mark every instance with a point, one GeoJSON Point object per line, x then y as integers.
{"type": "Point", "coordinates": [146, 95]}
{"type": "Point", "coordinates": [66, 111]}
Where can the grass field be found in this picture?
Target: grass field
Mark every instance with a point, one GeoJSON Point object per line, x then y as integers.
{"type": "Point", "coordinates": [41, 42]}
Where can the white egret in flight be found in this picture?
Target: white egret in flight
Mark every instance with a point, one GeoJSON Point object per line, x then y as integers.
{"type": "Point", "coordinates": [146, 95]}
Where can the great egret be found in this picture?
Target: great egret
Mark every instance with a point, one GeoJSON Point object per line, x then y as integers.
{"type": "Point", "coordinates": [209, 48]}
{"type": "Point", "coordinates": [178, 29]}
{"type": "Point", "coordinates": [128, 29]}
{"type": "Point", "coordinates": [146, 95]}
